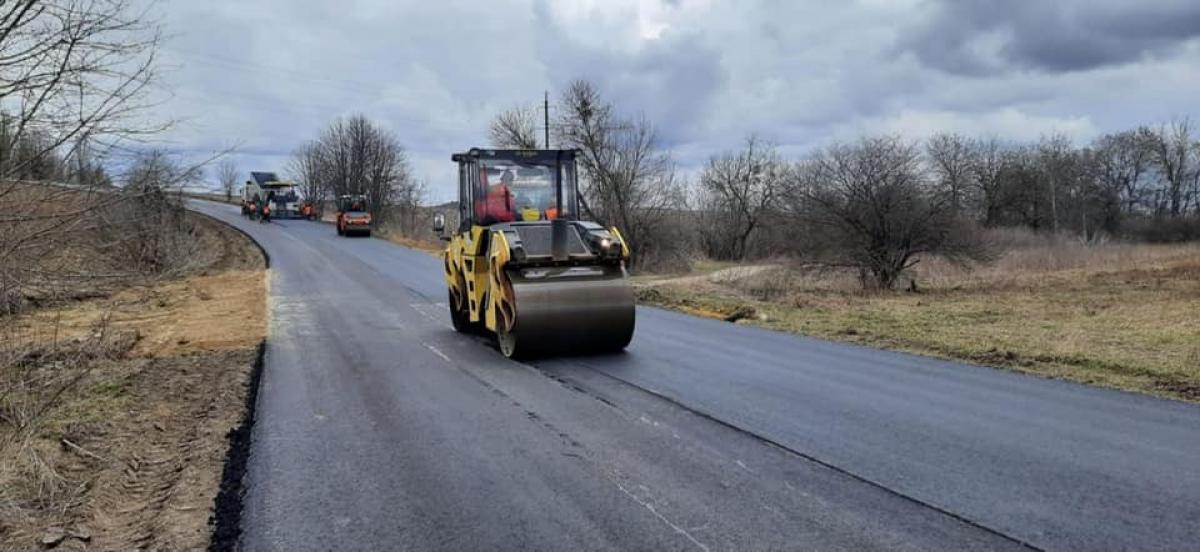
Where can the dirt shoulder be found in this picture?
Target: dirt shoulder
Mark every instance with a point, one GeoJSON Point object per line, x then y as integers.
{"type": "Point", "coordinates": [431, 247]}
{"type": "Point", "coordinates": [1128, 325]}
{"type": "Point", "coordinates": [131, 455]}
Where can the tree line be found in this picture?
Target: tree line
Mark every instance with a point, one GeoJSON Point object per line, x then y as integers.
{"type": "Point", "coordinates": [876, 204]}
{"type": "Point", "coordinates": [354, 156]}
{"type": "Point", "coordinates": [75, 83]}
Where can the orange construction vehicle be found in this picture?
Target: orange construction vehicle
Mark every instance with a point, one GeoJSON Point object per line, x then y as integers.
{"type": "Point", "coordinates": [352, 215]}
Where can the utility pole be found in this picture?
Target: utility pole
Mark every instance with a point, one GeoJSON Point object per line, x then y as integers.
{"type": "Point", "coordinates": [546, 114]}
{"type": "Point", "coordinates": [80, 158]}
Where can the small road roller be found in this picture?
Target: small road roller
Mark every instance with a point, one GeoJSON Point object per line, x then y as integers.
{"type": "Point", "coordinates": [523, 266]}
{"type": "Point", "coordinates": [353, 218]}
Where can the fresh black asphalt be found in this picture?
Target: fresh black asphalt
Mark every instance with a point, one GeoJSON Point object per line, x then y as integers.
{"type": "Point", "coordinates": [378, 427]}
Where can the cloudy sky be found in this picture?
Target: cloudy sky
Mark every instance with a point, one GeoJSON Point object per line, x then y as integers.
{"type": "Point", "coordinates": [266, 75]}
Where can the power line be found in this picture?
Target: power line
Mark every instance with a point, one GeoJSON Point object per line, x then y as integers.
{"type": "Point", "coordinates": [288, 107]}
{"type": "Point", "coordinates": [348, 85]}
{"type": "Point", "coordinates": [256, 68]}
{"type": "Point", "coordinates": [357, 86]}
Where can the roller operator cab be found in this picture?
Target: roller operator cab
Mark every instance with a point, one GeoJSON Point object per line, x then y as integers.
{"type": "Point", "coordinates": [353, 217]}
{"type": "Point", "coordinates": [523, 266]}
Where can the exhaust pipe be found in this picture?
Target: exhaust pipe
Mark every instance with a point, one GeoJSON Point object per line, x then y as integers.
{"type": "Point", "coordinates": [558, 238]}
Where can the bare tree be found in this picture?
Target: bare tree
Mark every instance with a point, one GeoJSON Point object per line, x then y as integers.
{"type": "Point", "coordinates": [952, 157]}
{"type": "Point", "coordinates": [515, 128]}
{"type": "Point", "coordinates": [228, 174]}
{"type": "Point", "coordinates": [75, 77]}
{"type": "Point", "coordinates": [1175, 155]}
{"type": "Point", "coordinates": [987, 169]}
{"type": "Point", "coordinates": [354, 156]}
{"type": "Point", "coordinates": [408, 199]}
{"type": "Point", "coordinates": [880, 212]}
{"type": "Point", "coordinates": [1059, 171]}
{"type": "Point", "coordinates": [148, 229]}
{"type": "Point", "coordinates": [138, 226]}
{"type": "Point", "coordinates": [628, 181]}
{"type": "Point", "coordinates": [1194, 188]}
{"type": "Point", "coordinates": [309, 169]}
{"type": "Point", "coordinates": [72, 69]}
{"type": "Point", "coordinates": [1119, 163]}
{"type": "Point", "coordinates": [740, 190]}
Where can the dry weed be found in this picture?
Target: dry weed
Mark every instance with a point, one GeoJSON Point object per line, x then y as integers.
{"type": "Point", "coordinates": [1115, 314]}
{"type": "Point", "coordinates": [38, 373]}
{"type": "Point", "coordinates": [1028, 255]}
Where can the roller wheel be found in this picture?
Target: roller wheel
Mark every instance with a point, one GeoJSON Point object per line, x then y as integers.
{"type": "Point", "coordinates": [459, 317]}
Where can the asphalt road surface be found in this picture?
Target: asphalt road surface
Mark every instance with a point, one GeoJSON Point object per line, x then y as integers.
{"type": "Point", "coordinates": [378, 427]}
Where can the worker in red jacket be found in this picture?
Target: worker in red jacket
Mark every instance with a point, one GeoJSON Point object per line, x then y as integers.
{"type": "Point", "coordinates": [497, 203]}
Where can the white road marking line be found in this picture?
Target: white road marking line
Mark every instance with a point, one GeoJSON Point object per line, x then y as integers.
{"type": "Point", "coordinates": [438, 353]}
{"type": "Point", "coordinates": [661, 517]}
{"type": "Point", "coordinates": [744, 466]}
{"type": "Point", "coordinates": [422, 309]}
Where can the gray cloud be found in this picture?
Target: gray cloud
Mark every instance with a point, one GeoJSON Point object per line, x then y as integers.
{"type": "Point", "coordinates": [672, 80]}
{"type": "Point", "coordinates": [983, 36]}
{"type": "Point", "coordinates": [706, 72]}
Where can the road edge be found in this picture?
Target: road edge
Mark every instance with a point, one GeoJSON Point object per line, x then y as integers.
{"type": "Point", "coordinates": [225, 520]}
{"type": "Point", "coordinates": [226, 517]}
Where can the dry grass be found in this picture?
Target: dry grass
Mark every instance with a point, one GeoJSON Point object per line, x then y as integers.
{"type": "Point", "coordinates": [149, 377]}
{"type": "Point", "coordinates": [214, 312]}
{"type": "Point", "coordinates": [433, 247]}
{"type": "Point", "coordinates": [1118, 315]}
{"type": "Point", "coordinates": [1032, 258]}
{"type": "Point", "coordinates": [63, 244]}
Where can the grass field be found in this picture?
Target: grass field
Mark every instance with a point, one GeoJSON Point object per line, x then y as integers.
{"type": "Point", "coordinates": [1117, 315]}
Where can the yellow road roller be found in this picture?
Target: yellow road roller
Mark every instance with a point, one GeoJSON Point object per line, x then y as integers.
{"type": "Point", "coordinates": [523, 266]}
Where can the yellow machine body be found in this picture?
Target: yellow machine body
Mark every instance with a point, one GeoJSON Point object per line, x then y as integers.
{"type": "Point", "coordinates": [538, 281]}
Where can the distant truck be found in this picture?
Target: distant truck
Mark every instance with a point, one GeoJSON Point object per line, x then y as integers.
{"type": "Point", "coordinates": [284, 202]}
